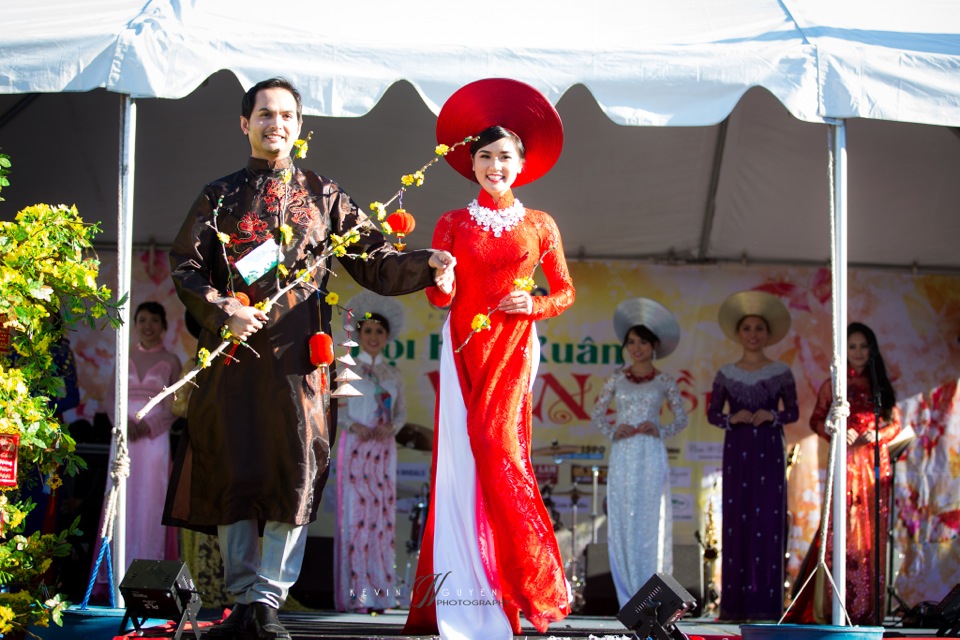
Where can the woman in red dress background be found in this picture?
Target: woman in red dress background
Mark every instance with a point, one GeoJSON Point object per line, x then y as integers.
{"type": "Point", "coordinates": [489, 551]}
{"type": "Point", "coordinates": [814, 604]}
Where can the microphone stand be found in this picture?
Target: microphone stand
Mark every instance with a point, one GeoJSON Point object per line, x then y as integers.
{"type": "Point", "coordinates": [875, 388]}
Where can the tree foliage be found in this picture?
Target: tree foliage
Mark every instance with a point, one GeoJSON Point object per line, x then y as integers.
{"type": "Point", "coordinates": [48, 281]}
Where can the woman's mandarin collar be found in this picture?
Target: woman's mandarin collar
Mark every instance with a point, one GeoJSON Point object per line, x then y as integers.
{"type": "Point", "coordinates": [486, 200]}
{"type": "Point", "coordinates": [366, 358]}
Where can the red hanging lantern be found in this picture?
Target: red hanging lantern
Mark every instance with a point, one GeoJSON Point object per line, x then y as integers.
{"type": "Point", "coordinates": [402, 223]}
{"type": "Point", "coordinates": [321, 349]}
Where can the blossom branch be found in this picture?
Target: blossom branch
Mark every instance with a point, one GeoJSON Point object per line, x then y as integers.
{"type": "Point", "coordinates": [206, 359]}
{"type": "Point", "coordinates": [338, 248]}
{"type": "Point", "coordinates": [481, 321]}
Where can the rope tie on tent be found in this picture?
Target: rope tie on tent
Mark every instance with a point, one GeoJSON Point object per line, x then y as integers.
{"type": "Point", "coordinates": [119, 469]}
{"type": "Point", "coordinates": [839, 411]}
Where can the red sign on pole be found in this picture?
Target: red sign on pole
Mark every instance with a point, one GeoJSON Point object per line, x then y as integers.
{"type": "Point", "coordinates": [9, 447]}
{"type": "Point", "coordinates": [4, 337]}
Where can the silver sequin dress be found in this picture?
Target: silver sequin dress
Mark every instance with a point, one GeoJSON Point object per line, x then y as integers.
{"type": "Point", "coordinates": [640, 518]}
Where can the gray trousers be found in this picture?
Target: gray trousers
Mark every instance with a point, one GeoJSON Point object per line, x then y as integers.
{"type": "Point", "coordinates": [252, 575]}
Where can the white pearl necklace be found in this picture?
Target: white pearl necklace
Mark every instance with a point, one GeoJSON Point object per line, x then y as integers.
{"type": "Point", "coordinates": [497, 220]}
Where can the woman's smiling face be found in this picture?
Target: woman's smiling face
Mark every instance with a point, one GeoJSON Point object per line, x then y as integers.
{"type": "Point", "coordinates": [858, 351]}
{"type": "Point", "coordinates": [373, 337]}
{"type": "Point", "coordinates": [497, 165]}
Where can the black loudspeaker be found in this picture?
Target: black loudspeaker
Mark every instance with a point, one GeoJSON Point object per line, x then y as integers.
{"type": "Point", "coordinates": [161, 589]}
{"type": "Point", "coordinates": [949, 610]}
{"type": "Point", "coordinates": [656, 607]}
{"type": "Point", "coordinates": [314, 587]}
{"type": "Point", "coordinates": [599, 592]}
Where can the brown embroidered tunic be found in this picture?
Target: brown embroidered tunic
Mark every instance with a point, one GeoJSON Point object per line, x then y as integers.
{"type": "Point", "coordinates": [261, 429]}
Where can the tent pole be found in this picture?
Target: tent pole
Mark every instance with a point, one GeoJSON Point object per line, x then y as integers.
{"type": "Point", "coordinates": [839, 265]}
{"type": "Point", "coordinates": [128, 132]}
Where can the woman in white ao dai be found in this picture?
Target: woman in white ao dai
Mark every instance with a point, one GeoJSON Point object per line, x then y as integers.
{"type": "Point", "coordinates": [640, 519]}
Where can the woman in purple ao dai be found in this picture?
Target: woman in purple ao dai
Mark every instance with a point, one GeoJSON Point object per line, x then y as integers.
{"type": "Point", "coordinates": [760, 397]}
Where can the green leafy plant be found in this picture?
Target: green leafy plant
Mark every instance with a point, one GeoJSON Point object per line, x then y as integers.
{"type": "Point", "coordinates": [4, 171]}
{"type": "Point", "coordinates": [48, 281]}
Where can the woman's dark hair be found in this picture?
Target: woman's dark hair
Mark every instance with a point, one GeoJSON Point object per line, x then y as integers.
{"type": "Point", "coordinates": [250, 97]}
{"type": "Point", "coordinates": [642, 332]}
{"type": "Point", "coordinates": [156, 309]}
{"type": "Point", "coordinates": [494, 133]}
{"type": "Point", "coordinates": [888, 397]}
{"type": "Point", "coordinates": [375, 317]}
{"type": "Point", "coordinates": [753, 315]}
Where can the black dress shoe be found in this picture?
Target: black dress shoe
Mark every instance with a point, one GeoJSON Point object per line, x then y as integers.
{"type": "Point", "coordinates": [267, 624]}
{"type": "Point", "coordinates": [239, 624]}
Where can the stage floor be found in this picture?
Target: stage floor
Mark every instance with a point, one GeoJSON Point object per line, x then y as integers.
{"type": "Point", "coordinates": [101, 623]}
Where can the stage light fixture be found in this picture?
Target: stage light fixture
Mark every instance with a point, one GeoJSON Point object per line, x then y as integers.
{"type": "Point", "coordinates": [949, 611]}
{"type": "Point", "coordinates": [161, 589]}
{"type": "Point", "coordinates": [655, 609]}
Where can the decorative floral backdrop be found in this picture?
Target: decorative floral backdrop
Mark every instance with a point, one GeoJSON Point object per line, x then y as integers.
{"type": "Point", "coordinates": [916, 318]}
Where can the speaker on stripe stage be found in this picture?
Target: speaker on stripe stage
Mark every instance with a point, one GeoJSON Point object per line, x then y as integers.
{"type": "Point", "coordinates": [656, 608]}
{"type": "Point", "coordinates": [160, 589]}
{"type": "Point", "coordinates": [949, 610]}
{"type": "Point", "coordinates": [600, 595]}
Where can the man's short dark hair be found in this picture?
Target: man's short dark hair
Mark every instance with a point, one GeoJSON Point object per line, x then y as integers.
{"type": "Point", "coordinates": [250, 97]}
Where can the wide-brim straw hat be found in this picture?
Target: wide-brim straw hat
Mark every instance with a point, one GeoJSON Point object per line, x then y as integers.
{"type": "Point", "coordinates": [755, 303]}
{"type": "Point", "coordinates": [508, 103]}
{"type": "Point", "coordinates": [654, 316]}
{"type": "Point", "coordinates": [369, 302]}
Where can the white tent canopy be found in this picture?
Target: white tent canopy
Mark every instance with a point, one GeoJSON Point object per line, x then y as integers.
{"type": "Point", "coordinates": [731, 175]}
{"type": "Point", "coordinates": [682, 63]}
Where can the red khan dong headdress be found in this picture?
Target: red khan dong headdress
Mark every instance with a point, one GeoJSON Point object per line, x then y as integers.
{"type": "Point", "coordinates": [508, 103]}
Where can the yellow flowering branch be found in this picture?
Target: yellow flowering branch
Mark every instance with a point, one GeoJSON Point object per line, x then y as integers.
{"type": "Point", "coordinates": [416, 178]}
{"type": "Point", "coordinates": [338, 247]}
{"type": "Point", "coordinates": [300, 147]}
{"type": "Point", "coordinates": [481, 321]}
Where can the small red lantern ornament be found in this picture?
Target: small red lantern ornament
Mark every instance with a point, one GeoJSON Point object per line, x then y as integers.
{"type": "Point", "coordinates": [402, 223]}
{"type": "Point", "coordinates": [321, 349]}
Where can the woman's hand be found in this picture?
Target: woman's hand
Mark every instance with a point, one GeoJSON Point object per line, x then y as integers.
{"type": "Point", "coordinates": [517, 302]}
{"type": "Point", "coordinates": [762, 416]}
{"type": "Point", "coordinates": [867, 437]}
{"type": "Point", "coordinates": [382, 432]}
{"type": "Point", "coordinates": [851, 437]}
{"type": "Point", "coordinates": [623, 431]}
{"type": "Point", "coordinates": [647, 429]}
{"type": "Point", "coordinates": [136, 430]}
{"type": "Point", "coordinates": [443, 264]}
{"type": "Point", "coordinates": [361, 431]}
{"type": "Point", "coordinates": [742, 417]}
